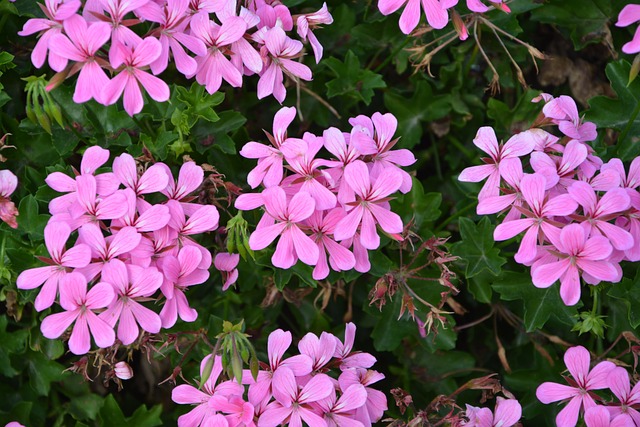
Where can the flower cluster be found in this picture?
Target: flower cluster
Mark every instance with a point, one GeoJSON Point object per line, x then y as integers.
{"type": "Point", "coordinates": [127, 249]}
{"type": "Point", "coordinates": [289, 391]}
{"type": "Point", "coordinates": [630, 14]}
{"type": "Point", "coordinates": [436, 12]}
{"type": "Point", "coordinates": [580, 216]}
{"type": "Point", "coordinates": [323, 202]}
{"type": "Point", "coordinates": [8, 211]}
{"type": "Point", "coordinates": [209, 40]}
{"type": "Point", "coordinates": [597, 411]}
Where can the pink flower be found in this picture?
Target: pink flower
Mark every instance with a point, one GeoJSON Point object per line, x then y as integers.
{"type": "Point", "coordinates": [479, 7]}
{"type": "Point", "coordinates": [507, 413]}
{"type": "Point", "coordinates": [618, 382]}
{"type": "Point", "coordinates": [371, 205]}
{"type": "Point", "coordinates": [498, 154]}
{"type": "Point", "coordinates": [130, 283]}
{"type": "Point", "coordinates": [106, 250]}
{"type": "Point", "coordinates": [117, 10]}
{"type": "Point", "coordinates": [560, 170]}
{"type": "Point", "coordinates": [153, 180]}
{"type": "Point", "coordinates": [310, 21]}
{"type": "Point", "coordinates": [577, 360]}
{"type": "Point", "coordinates": [322, 226]}
{"type": "Point", "coordinates": [348, 358]}
{"type": "Point", "coordinates": [376, 402]}
{"type": "Point", "coordinates": [436, 11]}
{"type": "Point", "coordinates": [79, 305]}
{"type": "Point", "coordinates": [564, 112]}
{"type": "Point", "coordinates": [226, 264]}
{"type": "Point", "coordinates": [56, 12]}
{"type": "Point", "coordinates": [62, 261]}
{"type": "Point", "coordinates": [204, 414]}
{"type": "Point", "coordinates": [132, 76]}
{"type": "Point", "coordinates": [577, 254]}
{"type": "Point", "coordinates": [598, 416]}
{"type": "Point", "coordinates": [279, 52]}
{"type": "Point", "coordinates": [8, 211]}
{"type": "Point", "coordinates": [628, 15]}
{"type": "Point", "coordinates": [283, 219]}
{"type": "Point", "coordinates": [213, 66]}
{"type": "Point", "coordinates": [189, 179]}
{"type": "Point", "coordinates": [339, 412]}
{"type": "Point", "coordinates": [123, 371]}
{"type": "Point", "coordinates": [292, 405]}
{"type": "Point", "coordinates": [81, 46]}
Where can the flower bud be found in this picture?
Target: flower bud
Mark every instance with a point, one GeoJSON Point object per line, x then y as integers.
{"type": "Point", "coordinates": [123, 371]}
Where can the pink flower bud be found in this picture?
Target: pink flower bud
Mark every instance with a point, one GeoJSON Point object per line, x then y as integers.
{"type": "Point", "coordinates": [123, 371]}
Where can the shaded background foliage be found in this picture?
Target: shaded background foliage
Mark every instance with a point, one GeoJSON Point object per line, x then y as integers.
{"type": "Point", "coordinates": [500, 323]}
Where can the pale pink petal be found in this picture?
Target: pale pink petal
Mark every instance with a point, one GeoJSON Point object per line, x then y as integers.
{"type": "Point", "coordinates": [54, 325]}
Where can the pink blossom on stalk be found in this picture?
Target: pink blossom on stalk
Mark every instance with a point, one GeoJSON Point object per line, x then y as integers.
{"type": "Point", "coordinates": [131, 283]}
{"type": "Point", "coordinates": [309, 21]}
{"type": "Point", "coordinates": [577, 254]}
{"type": "Point", "coordinates": [436, 11]}
{"type": "Point", "coordinates": [577, 360]}
{"type": "Point", "coordinates": [479, 7]}
{"type": "Point", "coordinates": [320, 350]}
{"type": "Point", "coordinates": [80, 305]}
{"type": "Point", "coordinates": [81, 46]}
{"type": "Point", "coordinates": [322, 225]}
{"type": "Point", "coordinates": [512, 174]}
{"type": "Point", "coordinates": [213, 66]}
{"type": "Point", "coordinates": [507, 413]}
{"type": "Point", "coordinates": [618, 382]}
{"type": "Point", "coordinates": [336, 143]}
{"type": "Point", "coordinates": [56, 11]}
{"type": "Point", "coordinates": [270, 14]}
{"type": "Point", "coordinates": [173, 21]}
{"type": "Point", "coordinates": [56, 235]}
{"type": "Point", "coordinates": [270, 159]}
{"type": "Point", "coordinates": [203, 414]}
{"type": "Point", "coordinates": [560, 170]}
{"type": "Point", "coordinates": [376, 402]}
{"type": "Point", "coordinates": [375, 137]}
{"type": "Point", "coordinates": [348, 358]}
{"type": "Point", "coordinates": [371, 205]}
{"type": "Point", "coordinates": [278, 53]}
{"type": "Point", "coordinates": [132, 76]}
{"type": "Point", "coordinates": [539, 217]}
{"type": "Point", "coordinates": [292, 404]}
{"type": "Point", "coordinates": [598, 416]}
{"type": "Point", "coordinates": [498, 154]}
{"type": "Point", "coordinates": [106, 250]}
{"type": "Point", "coordinates": [598, 211]}
{"type": "Point", "coordinates": [284, 222]}
{"type": "Point", "coordinates": [117, 10]}
{"type": "Point", "coordinates": [151, 218]}
{"type": "Point", "coordinates": [339, 412]}
{"type": "Point", "coordinates": [8, 210]}
{"type": "Point", "coordinates": [123, 370]}
{"type": "Point", "coordinates": [153, 179]}
{"type": "Point", "coordinates": [630, 14]}
{"type": "Point", "coordinates": [564, 112]}
{"type": "Point", "coordinates": [227, 265]}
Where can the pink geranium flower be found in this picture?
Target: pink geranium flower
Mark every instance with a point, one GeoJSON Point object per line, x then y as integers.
{"type": "Point", "coordinates": [436, 11]}
{"type": "Point", "coordinates": [132, 77]}
{"type": "Point", "coordinates": [283, 219]}
{"type": "Point", "coordinates": [630, 14]}
{"type": "Point", "coordinates": [564, 112]}
{"type": "Point", "coordinates": [8, 211]}
{"type": "Point", "coordinates": [598, 416]}
{"type": "Point", "coordinates": [498, 154]}
{"type": "Point", "coordinates": [130, 284]}
{"type": "Point", "coordinates": [154, 178]}
{"type": "Point", "coordinates": [278, 53]}
{"type": "Point", "coordinates": [322, 227]}
{"type": "Point", "coordinates": [81, 46]}
{"type": "Point", "coordinates": [62, 261]}
{"type": "Point", "coordinates": [376, 402]}
{"type": "Point", "coordinates": [619, 384]}
{"type": "Point", "coordinates": [577, 254]}
{"type": "Point", "coordinates": [507, 413]}
{"type": "Point", "coordinates": [371, 205]}
{"type": "Point", "coordinates": [339, 412]}
{"type": "Point", "coordinates": [310, 21]}
{"type": "Point", "coordinates": [577, 360]}
{"type": "Point", "coordinates": [227, 264]}
{"type": "Point", "coordinates": [80, 305]}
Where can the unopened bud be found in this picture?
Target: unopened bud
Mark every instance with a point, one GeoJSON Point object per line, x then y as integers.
{"type": "Point", "coordinates": [458, 25]}
{"type": "Point", "coordinates": [123, 371]}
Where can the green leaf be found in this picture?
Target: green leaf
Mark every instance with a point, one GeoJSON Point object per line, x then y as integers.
{"type": "Point", "coordinates": [539, 304]}
{"type": "Point", "coordinates": [628, 291]}
{"type": "Point", "coordinates": [422, 208]}
{"type": "Point", "coordinates": [352, 80]}
{"type": "Point", "coordinates": [12, 343]}
{"type": "Point", "coordinates": [476, 248]}
{"type": "Point", "coordinates": [586, 20]}
{"type": "Point", "coordinates": [620, 114]}
{"type": "Point", "coordinates": [389, 331]}
{"type": "Point", "coordinates": [85, 406]}
{"type": "Point", "coordinates": [112, 415]}
{"type": "Point", "coordinates": [43, 372]}
{"type": "Point", "coordinates": [30, 221]}
{"type": "Point", "coordinates": [412, 113]}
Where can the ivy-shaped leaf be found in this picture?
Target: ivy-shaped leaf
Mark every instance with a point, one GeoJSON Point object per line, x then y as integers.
{"type": "Point", "coordinates": [476, 248]}
{"type": "Point", "coordinates": [351, 80]}
{"type": "Point", "coordinates": [628, 291]}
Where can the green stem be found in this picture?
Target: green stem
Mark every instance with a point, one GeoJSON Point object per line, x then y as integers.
{"type": "Point", "coordinates": [455, 215]}
{"type": "Point", "coordinates": [393, 55]}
